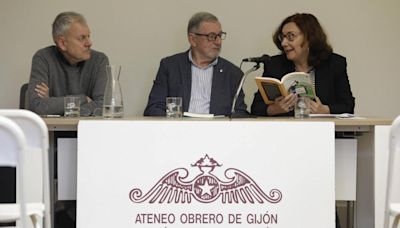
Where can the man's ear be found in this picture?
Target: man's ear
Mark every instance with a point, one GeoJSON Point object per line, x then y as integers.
{"type": "Point", "coordinates": [192, 39]}
{"type": "Point", "coordinates": [61, 43]}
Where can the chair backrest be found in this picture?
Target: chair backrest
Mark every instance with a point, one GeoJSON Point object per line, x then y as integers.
{"type": "Point", "coordinates": [37, 157]}
{"type": "Point", "coordinates": [23, 97]}
{"type": "Point", "coordinates": [13, 146]}
{"type": "Point", "coordinates": [393, 179]}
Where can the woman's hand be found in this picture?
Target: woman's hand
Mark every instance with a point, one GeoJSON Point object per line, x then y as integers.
{"type": "Point", "coordinates": [316, 107]}
{"type": "Point", "coordinates": [282, 105]}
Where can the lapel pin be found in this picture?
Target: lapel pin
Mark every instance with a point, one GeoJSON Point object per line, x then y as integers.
{"type": "Point", "coordinates": [221, 70]}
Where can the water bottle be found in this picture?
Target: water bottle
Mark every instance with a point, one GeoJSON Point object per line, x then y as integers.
{"type": "Point", "coordinates": [113, 106]}
{"type": "Point", "coordinates": [302, 107]}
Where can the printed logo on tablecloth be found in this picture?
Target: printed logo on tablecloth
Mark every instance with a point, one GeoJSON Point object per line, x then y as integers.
{"type": "Point", "coordinates": [206, 187]}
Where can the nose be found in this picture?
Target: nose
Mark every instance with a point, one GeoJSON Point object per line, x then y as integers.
{"type": "Point", "coordinates": [284, 42]}
{"type": "Point", "coordinates": [88, 42]}
{"type": "Point", "coordinates": [218, 40]}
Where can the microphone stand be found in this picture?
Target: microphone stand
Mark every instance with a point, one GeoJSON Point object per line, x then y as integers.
{"type": "Point", "coordinates": [233, 112]}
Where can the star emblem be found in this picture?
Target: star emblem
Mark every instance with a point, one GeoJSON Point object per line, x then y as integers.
{"type": "Point", "coordinates": [206, 188]}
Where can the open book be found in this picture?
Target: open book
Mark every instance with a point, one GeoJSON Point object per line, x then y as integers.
{"type": "Point", "coordinates": [296, 82]}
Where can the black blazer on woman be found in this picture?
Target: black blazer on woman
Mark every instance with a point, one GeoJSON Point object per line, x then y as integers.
{"type": "Point", "coordinates": [331, 84]}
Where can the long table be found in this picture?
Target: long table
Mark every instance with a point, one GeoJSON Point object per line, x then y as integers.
{"type": "Point", "coordinates": [372, 150]}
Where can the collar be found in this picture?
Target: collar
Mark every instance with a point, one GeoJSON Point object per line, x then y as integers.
{"type": "Point", "coordinates": [62, 57]}
{"type": "Point", "coordinates": [310, 70]}
{"type": "Point", "coordinates": [213, 63]}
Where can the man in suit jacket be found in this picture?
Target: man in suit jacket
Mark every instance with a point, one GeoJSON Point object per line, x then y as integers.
{"type": "Point", "coordinates": [206, 82]}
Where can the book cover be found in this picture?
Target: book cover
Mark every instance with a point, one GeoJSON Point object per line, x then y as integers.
{"type": "Point", "coordinates": [296, 82]}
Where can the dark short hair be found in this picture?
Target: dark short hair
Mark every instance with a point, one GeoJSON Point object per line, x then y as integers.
{"type": "Point", "coordinates": [196, 20]}
{"type": "Point", "coordinates": [313, 32]}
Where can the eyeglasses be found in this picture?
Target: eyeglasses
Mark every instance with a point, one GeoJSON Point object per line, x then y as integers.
{"type": "Point", "coordinates": [289, 36]}
{"type": "Point", "coordinates": [213, 36]}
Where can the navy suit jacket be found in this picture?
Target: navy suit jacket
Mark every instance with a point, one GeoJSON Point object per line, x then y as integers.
{"type": "Point", "coordinates": [174, 79]}
{"type": "Point", "coordinates": [331, 84]}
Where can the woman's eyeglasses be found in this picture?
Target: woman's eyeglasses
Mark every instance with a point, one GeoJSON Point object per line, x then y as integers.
{"type": "Point", "coordinates": [289, 36]}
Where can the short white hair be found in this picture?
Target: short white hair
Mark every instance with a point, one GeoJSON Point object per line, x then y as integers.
{"type": "Point", "coordinates": [63, 21]}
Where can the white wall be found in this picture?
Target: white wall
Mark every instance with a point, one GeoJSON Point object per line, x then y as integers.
{"type": "Point", "coordinates": [138, 33]}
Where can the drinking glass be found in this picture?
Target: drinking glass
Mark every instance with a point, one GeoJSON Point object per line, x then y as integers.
{"type": "Point", "coordinates": [173, 107]}
{"type": "Point", "coordinates": [72, 106]}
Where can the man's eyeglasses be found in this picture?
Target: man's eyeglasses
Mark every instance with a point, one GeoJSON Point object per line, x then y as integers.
{"type": "Point", "coordinates": [213, 36]}
{"type": "Point", "coordinates": [289, 36]}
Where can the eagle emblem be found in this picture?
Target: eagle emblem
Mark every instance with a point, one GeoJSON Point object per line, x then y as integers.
{"type": "Point", "coordinates": [205, 187]}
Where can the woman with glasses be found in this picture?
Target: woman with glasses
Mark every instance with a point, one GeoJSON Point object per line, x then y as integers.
{"type": "Point", "coordinates": [305, 48]}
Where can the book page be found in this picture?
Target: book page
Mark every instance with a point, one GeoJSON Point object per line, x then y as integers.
{"type": "Point", "coordinates": [299, 83]}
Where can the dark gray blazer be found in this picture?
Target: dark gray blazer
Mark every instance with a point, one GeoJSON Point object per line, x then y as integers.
{"type": "Point", "coordinates": [174, 79]}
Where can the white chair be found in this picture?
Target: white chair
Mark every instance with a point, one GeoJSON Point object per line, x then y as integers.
{"type": "Point", "coordinates": [13, 145]}
{"type": "Point", "coordinates": [36, 133]}
{"type": "Point", "coordinates": [392, 208]}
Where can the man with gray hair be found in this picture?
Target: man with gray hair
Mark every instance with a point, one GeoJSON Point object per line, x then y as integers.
{"type": "Point", "coordinates": [206, 82]}
{"type": "Point", "coordinates": [70, 67]}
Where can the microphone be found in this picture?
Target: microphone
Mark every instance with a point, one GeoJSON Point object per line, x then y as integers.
{"type": "Point", "coordinates": [264, 58]}
{"type": "Point", "coordinates": [239, 88]}
{"type": "Point", "coordinates": [256, 60]}
{"type": "Point", "coordinates": [260, 59]}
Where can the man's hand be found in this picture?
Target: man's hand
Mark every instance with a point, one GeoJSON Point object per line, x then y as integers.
{"type": "Point", "coordinates": [42, 90]}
